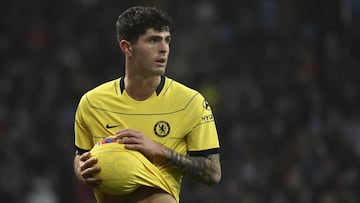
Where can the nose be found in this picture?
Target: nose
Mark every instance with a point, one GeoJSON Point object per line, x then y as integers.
{"type": "Point", "coordinates": [164, 47]}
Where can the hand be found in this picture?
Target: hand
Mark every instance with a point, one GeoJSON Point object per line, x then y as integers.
{"type": "Point", "coordinates": [85, 170]}
{"type": "Point", "coordinates": [135, 140]}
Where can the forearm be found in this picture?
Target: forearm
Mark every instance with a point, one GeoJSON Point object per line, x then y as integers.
{"type": "Point", "coordinates": [76, 164]}
{"type": "Point", "coordinates": [204, 169]}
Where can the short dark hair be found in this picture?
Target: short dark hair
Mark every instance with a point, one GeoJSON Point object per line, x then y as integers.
{"type": "Point", "coordinates": [136, 20]}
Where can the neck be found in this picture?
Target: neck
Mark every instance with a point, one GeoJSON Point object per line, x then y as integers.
{"type": "Point", "coordinates": [140, 88]}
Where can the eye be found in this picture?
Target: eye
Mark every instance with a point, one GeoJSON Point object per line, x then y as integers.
{"type": "Point", "coordinates": [153, 39]}
{"type": "Point", "coordinates": [168, 39]}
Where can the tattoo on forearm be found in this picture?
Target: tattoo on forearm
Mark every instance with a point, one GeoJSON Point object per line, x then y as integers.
{"type": "Point", "coordinates": [205, 169]}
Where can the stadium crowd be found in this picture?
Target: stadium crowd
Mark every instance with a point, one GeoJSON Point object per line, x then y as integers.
{"type": "Point", "coordinates": [282, 78]}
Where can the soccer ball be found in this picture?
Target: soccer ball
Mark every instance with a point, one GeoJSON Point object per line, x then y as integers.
{"type": "Point", "coordinates": [122, 170]}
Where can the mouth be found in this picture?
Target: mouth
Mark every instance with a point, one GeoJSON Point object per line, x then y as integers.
{"type": "Point", "coordinates": [161, 61]}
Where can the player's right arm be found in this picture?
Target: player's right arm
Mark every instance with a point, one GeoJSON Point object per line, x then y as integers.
{"type": "Point", "coordinates": [85, 170]}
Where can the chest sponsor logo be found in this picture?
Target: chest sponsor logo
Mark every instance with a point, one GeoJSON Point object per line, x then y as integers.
{"type": "Point", "coordinates": [162, 128]}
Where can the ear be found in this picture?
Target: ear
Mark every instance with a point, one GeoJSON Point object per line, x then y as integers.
{"type": "Point", "coordinates": [125, 47]}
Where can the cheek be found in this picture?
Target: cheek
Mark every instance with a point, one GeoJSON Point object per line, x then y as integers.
{"type": "Point", "coordinates": [143, 59]}
{"type": "Point", "coordinates": [143, 53]}
{"type": "Point", "coordinates": [139, 55]}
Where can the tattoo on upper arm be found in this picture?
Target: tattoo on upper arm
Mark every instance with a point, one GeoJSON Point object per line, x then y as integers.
{"type": "Point", "coordinates": [205, 169]}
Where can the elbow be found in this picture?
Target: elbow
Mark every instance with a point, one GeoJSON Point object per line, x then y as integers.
{"type": "Point", "coordinates": [215, 179]}
{"type": "Point", "coordinates": [215, 174]}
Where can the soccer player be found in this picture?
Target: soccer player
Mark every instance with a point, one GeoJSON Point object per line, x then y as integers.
{"type": "Point", "coordinates": [166, 126]}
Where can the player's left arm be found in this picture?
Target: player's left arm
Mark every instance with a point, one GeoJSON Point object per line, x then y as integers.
{"type": "Point", "coordinates": [206, 169]}
{"type": "Point", "coordinates": [203, 160]}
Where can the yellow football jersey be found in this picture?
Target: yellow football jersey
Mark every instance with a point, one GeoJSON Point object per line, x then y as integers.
{"type": "Point", "coordinates": [174, 115]}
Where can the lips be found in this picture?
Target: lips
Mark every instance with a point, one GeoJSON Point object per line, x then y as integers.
{"type": "Point", "coordinates": [161, 60]}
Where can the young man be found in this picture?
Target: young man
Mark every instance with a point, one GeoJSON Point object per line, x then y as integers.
{"type": "Point", "coordinates": [169, 125]}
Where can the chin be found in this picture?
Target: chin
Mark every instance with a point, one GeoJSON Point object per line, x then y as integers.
{"type": "Point", "coordinates": [160, 71]}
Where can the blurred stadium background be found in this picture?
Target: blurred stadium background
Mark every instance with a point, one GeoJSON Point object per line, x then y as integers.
{"type": "Point", "coordinates": [282, 77]}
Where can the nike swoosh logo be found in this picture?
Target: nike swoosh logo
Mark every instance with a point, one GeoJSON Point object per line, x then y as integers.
{"type": "Point", "coordinates": [111, 126]}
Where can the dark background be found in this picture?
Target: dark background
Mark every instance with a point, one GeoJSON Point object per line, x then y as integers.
{"type": "Point", "coordinates": [282, 77]}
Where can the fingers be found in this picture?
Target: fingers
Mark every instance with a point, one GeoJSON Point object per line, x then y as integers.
{"type": "Point", "coordinates": [85, 156]}
{"type": "Point", "coordinates": [129, 140]}
{"type": "Point", "coordinates": [129, 136]}
{"type": "Point", "coordinates": [88, 163]}
{"type": "Point", "coordinates": [127, 133]}
{"type": "Point", "coordinates": [133, 140]}
{"type": "Point", "coordinates": [122, 132]}
{"type": "Point", "coordinates": [133, 146]}
{"type": "Point", "coordinates": [90, 172]}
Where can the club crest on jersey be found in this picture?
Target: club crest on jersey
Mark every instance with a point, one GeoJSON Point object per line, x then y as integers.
{"type": "Point", "coordinates": [161, 128]}
{"type": "Point", "coordinates": [206, 105]}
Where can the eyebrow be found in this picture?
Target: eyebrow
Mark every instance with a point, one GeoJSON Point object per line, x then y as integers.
{"type": "Point", "coordinates": [159, 36]}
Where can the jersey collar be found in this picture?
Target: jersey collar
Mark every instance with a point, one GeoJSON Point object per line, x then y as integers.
{"type": "Point", "coordinates": [158, 89]}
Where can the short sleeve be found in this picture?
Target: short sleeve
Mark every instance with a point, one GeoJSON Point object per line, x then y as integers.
{"type": "Point", "coordinates": [83, 138]}
{"type": "Point", "coordinates": [203, 135]}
